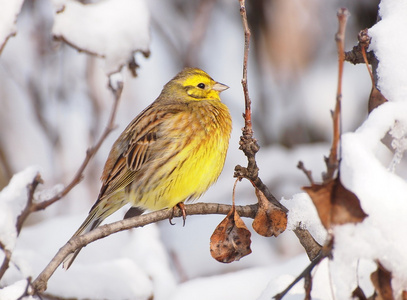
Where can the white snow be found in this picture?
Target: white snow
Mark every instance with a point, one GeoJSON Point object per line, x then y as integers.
{"type": "Point", "coordinates": [174, 262]}
{"type": "Point", "coordinates": [8, 16]}
{"type": "Point", "coordinates": [14, 291]}
{"type": "Point", "coordinates": [113, 29]}
{"type": "Point", "coordinates": [389, 46]}
{"type": "Point", "coordinates": [13, 199]}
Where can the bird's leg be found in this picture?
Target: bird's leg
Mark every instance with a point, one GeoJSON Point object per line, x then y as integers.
{"type": "Point", "coordinates": [181, 206]}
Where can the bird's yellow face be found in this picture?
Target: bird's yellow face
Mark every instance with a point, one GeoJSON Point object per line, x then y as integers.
{"type": "Point", "coordinates": [196, 84]}
{"type": "Point", "coordinates": [201, 86]}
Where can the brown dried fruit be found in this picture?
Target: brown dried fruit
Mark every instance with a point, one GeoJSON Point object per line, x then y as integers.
{"type": "Point", "coordinates": [231, 239]}
{"type": "Point", "coordinates": [270, 220]}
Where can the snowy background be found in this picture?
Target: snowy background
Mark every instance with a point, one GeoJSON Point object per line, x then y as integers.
{"type": "Point", "coordinates": [55, 103]}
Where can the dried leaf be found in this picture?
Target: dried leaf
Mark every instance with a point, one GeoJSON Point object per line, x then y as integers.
{"type": "Point", "coordinates": [335, 204]}
{"type": "Point", "coordinates": [381, 279]}
{"type": "Point", "coordinates": [231, 239]}
{"type": "Point", "coordinates": [376, 99]}
{"type": "Point", "coordinates": [269, 220]}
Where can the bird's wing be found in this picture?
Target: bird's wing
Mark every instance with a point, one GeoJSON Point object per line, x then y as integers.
{"type": "Point", "coordinates": [138, 144]}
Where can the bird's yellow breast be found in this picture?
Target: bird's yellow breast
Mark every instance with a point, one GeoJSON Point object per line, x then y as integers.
{"type": "Point", "coordinates": [202, 132]}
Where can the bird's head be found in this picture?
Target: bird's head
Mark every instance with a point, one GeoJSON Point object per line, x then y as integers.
{"type": "Point", "coordinates": [195, 84]}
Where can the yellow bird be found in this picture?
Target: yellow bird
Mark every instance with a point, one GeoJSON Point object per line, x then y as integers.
{"type": "Point", "coordinates": [172, 152]}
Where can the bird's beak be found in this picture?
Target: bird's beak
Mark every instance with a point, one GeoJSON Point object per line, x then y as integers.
{"type": "Point", "coordinates": [219, 87]}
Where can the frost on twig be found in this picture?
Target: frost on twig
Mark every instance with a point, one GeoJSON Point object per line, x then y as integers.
{"type": "Point", "coordinates": [399, 144]}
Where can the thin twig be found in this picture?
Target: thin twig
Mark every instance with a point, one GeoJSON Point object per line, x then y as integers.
{"type": "Point", "coordinates": [40, 283]}
{"type": "Point", "coordinates": [29, 208]}
{"type": "Point", "coordinates": [307, 173]}
{"type": "Point", "coordinates": [308, 286]}
{"type": "Point", "coordinates": [364, 42]}
{"type": "Point", "coordinates": [303, 274]}
{"type": "Point", "coordinates": [332, 161]}
{"type": "Point", "coordinates": [234, 191]}
{"type": "Point", "coordinates": [356, 56]}
{"type": "Point", "coordinates": [32, 206]}
{"type": "Point", "coordinates": [248, 144]}
{"type": "Point", "coordinates": [89, 153]}
{"type": "Point", "coordinates": [326, 251]}
{"type": "Point", "coordinates": [247, 34]}
{"type": "Point", "coordinates": [20, 220]}
{"type": "Point", "coordinates": [311, 246]}
{"type": "Point", "coordinates": [6, 260]}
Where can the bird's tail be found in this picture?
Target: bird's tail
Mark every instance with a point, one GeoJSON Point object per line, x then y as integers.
{"type": "Point", "coordinates": [103, 208]}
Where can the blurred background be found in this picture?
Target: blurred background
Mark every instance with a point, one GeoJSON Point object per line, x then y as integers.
{"type": "Point", "coordinates": [55, 101]}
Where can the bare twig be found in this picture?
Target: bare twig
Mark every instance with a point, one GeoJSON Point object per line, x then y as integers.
{"type": "Point", "coordinates": [332, 161]}
{"type": "Point", "coordinates": [303, 274]}
{"type": "Point", "coordinates": [29, 208]}
{"type": "Point", "coordinates": [364, 42]}
{"type": "Point", "coordinates": [6, 260]}
{"type": "Point", "coordinates": [307, 173]}
{"type": "Point", "coordinates": [89, 153]}
{"type": "Point", "coordinates": [376, 98]}
{"type": "Point", "coordinates": [247, 34]}
{"type": "Point", "coordinates": [308, 286]}
{"type": "Point", "coordinates": [248, 144]}
{"type": "Point", "coordinates": [20, 220]}
{"type": "Point", "coordinates": [325, 252]}
{"type": "Point", "coordinates": [311, 246]}
{"type": "Point", "coordinates": [10, 35]}
{"type": "Point", "coordinates": [32, 206]}
{"type": "Point", "coordinates": [356, 55]}
{"type": "Point", "coordinates": [40, 283]}
{"type": "Point", "coordinates": [61, 38]}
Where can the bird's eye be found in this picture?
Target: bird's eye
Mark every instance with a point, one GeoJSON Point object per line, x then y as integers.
{"type": "Point", "coordinates": [201, 85]}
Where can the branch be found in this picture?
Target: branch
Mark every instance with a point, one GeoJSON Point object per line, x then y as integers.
{"type": "Point", "coordinates": [6, 260]}
{"type": "Point", "coordinates": [306, 273]}
{"type": "Point", "coordinates": [248, 112]}
{"type": "Point", "coordinates": [364, 42]}
{"type": "Point", "coordinates": [20, 220]}
{"type": "Point", "coordinates": [89, 153]}
{"type": "Point", "coordinates": [248, 144]}
{"type": "Point", "coordinates": [332, 161]}
{"type": "Point", "coordinates": [325, 252]}
{"type": "Point", "coordinates": [311, 246]}
{"type": "Point", "coordinates": [356, 56]}
{"type": "Point", "coordinates": [29, 208]}
{"type": "Point", "coordinates": [40, 283]}
{"type": "Point", "coordinates": [32, 206]}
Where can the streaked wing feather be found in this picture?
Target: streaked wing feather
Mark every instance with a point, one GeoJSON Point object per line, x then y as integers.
{"type": "Point", "coordinates": [144, 130]}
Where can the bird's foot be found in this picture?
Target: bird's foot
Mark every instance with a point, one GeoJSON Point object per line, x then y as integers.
{"type": "Point", "coordinates": [181, 206]}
